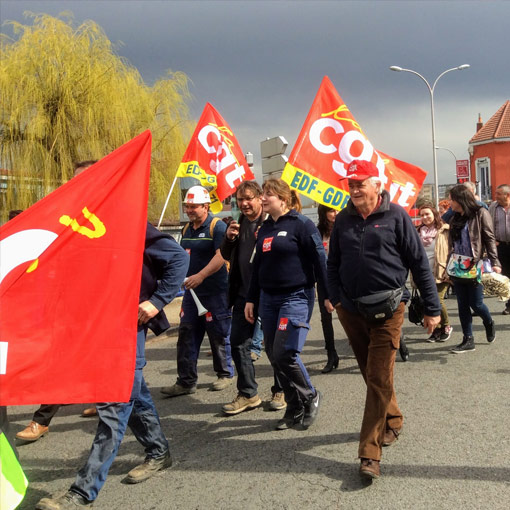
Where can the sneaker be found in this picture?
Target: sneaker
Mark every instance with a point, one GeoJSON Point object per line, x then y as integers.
{"type": "Point", "coordinates": [240, 404]}
{"type": "Point", "coordinates": [506, 311]}
{"type": "Point", "coordinates": [312, 409]}
{"type": "Point", "coordinates": [370, 469]}
{"type": "Point", "coordinates": [177, 389]}
{"type": "Point", "coordinates": [69, 501]}
{"type": "Point", "coordinates": [277, 402]}
{"type": "Point", "coordinates": [436, 335]}
{"type": "Point", "coordinates": [446, 332]}
{"type": "Point", "coordinates": [221, 383]}
{"type": "Point", "coordinates": [291, 419]}
{"type": "Point", "coordinates": [490, 331]}
{"type": "Point", "coordinates": [149, 468]}
{"type": "Point", "coordinates": [468, 344]}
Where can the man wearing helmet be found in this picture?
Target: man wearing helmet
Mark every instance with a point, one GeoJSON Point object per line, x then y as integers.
{"type": "Point", "coordinates": [207, 276]}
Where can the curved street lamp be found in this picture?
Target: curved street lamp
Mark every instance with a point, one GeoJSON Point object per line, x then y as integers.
{"type": "Point", "coordinates": [431, 90]}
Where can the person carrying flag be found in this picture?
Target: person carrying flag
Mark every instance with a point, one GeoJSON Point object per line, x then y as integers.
{"type": "Point", "coordinates": [207, 276]}
{"type": "Point", "coordinates": [165, 265]}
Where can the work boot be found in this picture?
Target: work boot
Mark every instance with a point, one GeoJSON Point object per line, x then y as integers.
{"type": "Point", "coordinates": [291, 419]}
{"type": "Point", "coordinates": [69, 501]}
{"type": "Point", "coordinates": [177, 389]}
{"type": "Point", "coordinates": [370, 469]}
{"type": "Point", "coordinates": [32, 432]}
{"type": "Point", "coordinates": [332, 362]}
{"type": "Point", "coordinates": [468, 344]}
{"type": "Point", "coordinates": [277, 402]}
{"type": "Point", "coordinates": [221, 383]}
{"type": "Point", "coordinates": [390, 436]}
{"type": "Point", "coordinates": [312, 409]}
{"type": "Point", "coordinates": [490, 331]}
{"type": "Point", "coordinates": [240, 404]}
{"type": "Point", "coordinates": [149, 468]}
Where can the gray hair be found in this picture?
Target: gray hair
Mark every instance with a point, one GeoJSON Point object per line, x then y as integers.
{"type": "Point", "coordinates": [471, 186]}
{"type": "Point", "coordinates": [374, 181]}
{"type": "Point", "coordinates": [505, 188]}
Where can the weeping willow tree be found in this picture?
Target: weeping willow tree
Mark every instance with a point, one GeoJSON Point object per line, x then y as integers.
{"type": "Point", "coordinates": [67, 96]}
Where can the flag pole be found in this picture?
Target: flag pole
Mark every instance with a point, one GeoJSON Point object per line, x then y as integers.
{"type": "Point", "coordinates": [167, 199]}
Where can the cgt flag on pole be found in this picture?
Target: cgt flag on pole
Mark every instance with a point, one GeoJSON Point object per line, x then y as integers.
{"type": "Point", "coordinates": [70, 272]}
{"type": "Point", "coordinates": [13, 482]}
{"type": "Point", "coordinates": [215, 158]}
{"type": "Point", "coordinates": [329, 140]}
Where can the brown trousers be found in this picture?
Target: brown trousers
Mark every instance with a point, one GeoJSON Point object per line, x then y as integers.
{"type": "Point", "coordinates": [375, 346]}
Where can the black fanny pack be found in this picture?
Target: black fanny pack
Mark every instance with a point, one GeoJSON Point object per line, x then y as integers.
{"type": "Point", "coordinates": [379, 306]}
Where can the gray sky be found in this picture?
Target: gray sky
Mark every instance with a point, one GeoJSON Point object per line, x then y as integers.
{"type": "Point", "coordinates": [260, 63]}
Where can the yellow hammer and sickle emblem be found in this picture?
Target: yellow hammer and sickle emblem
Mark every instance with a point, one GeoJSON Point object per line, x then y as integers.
{"type": "Point", "coordinates": [99, 228]}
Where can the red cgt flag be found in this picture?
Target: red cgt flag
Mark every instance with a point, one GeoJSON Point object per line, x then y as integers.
{"type": "Point", "coordinates": [329, 140]}
{"type": "Point", "coordinates": [70, 271]}
{"type": "Point", "coordinates": [215, 158]}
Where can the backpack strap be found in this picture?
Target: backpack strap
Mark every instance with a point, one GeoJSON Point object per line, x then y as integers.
{"type": "Point", "coordinates": [212, 225]}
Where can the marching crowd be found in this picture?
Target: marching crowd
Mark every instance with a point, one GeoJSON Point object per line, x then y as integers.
{"type": "Point", "coordinates": [358, 260]}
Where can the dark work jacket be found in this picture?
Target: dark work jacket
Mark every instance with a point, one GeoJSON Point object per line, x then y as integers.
{"type": "Point", "coordinates": [165, 265]}
{"type": "Point", "coordinates": [229, 252]}
{"type": "Point", "coordinates": [290, 256]}
{"type": "Point", "coordinates": [375, 254]}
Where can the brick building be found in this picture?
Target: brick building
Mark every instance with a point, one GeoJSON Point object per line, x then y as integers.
{"type": "Point", "coordinates": [489, 151]}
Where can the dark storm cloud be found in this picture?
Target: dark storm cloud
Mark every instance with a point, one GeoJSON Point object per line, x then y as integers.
{"type": "Point", "coordinates": [261, 63]}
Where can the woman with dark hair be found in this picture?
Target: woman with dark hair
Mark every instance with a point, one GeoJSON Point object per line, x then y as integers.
{"type": "Point", "coordinates": [289, 258]}
{"type": "Point", "coordinates": [327, 217]}
{"type": "Point", "coordinates": [434, 237]}
{"type": "Point", "coordinates": [471, 234]}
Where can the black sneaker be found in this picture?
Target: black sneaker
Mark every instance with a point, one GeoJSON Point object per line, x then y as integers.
{"type": "Point", "coordinates": [403, 350]}
{"type": "Point", "coordinates": [312, 409]}
{"type": "Point", "coordinates": [446, 332]}
{"type": "Point", "coordinates": [490, 331]}
{"type": "Point", "coordinates": [468, 344]}
{"type": "Point", "coordinates": [291, 418]}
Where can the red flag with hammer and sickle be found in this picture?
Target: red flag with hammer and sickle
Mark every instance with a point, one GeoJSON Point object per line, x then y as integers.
{"type": "Point", "coordinates": [70, 272]}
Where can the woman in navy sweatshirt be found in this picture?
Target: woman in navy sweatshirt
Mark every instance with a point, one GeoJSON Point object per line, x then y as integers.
{"type": "Point", "coordinates": [289, 259]}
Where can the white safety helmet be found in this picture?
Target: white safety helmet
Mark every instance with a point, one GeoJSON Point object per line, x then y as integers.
{"type": "Point", "coordinates": [197, 195]}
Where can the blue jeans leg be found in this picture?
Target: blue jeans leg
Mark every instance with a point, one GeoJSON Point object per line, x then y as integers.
{"type": "Point", "coordinates": [142, 417]}
{"type": "Point", "coordinates": [470, 295]}
{"type": "Point", "coordinates": [258, 337]}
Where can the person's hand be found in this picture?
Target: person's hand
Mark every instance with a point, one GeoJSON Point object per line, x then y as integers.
{"type": "Point", "coordinates": [232, 230]}
{"type": "Point", "coordinates": [248, 312]}
{"type": "Point", "coordinates": [193, 281]}
{"type": "Point", "coordinates": [496, 269]}
{"type": "Point", "coordinates": [146, 311]}
{"type": "Point", "coordinates": [430, 323]}
{"type": "Point", "coordinates": [329, 307]}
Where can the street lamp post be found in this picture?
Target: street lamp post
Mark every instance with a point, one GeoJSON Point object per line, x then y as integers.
{"type": "Point", "coordinates": [431, 90]}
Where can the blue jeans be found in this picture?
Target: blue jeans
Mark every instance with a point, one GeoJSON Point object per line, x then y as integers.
{"type": "Point", "coordinates": [285, 321]}
{"type": "Point", "coordinates": [217, 324]}
{"type": "Point", "coordinates": [258, 336]}
{"type": "Point", "coordinates": [141, 416]}
{"type": "Point", "coordinates": [470, 295]}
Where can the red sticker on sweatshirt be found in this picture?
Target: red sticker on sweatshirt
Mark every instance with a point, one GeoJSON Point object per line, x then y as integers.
{"type": "Point", "coordinates": [208, 317]}
{"type": "Point", "coordinates": [266, 246]}
{"type": "Point", "coordinates": [283, 324]}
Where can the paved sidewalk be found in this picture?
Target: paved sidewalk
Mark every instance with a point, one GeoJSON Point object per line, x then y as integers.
{"type": "Point", "coordinates": [453, 454]}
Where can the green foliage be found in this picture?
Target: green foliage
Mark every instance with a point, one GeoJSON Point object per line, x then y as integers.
{"type": "Point", "coordinates": [68, 97]}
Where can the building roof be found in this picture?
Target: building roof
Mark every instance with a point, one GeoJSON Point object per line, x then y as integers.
{"type": "Point", "coordinates": [498, 126]}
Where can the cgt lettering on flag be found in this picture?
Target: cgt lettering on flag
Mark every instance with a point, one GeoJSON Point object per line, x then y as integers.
{"type": "Point", "coordinates": [329, 141]}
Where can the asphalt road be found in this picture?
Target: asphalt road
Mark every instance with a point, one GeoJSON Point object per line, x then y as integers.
{"type": "Point", "coordinates": [454, 451]}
